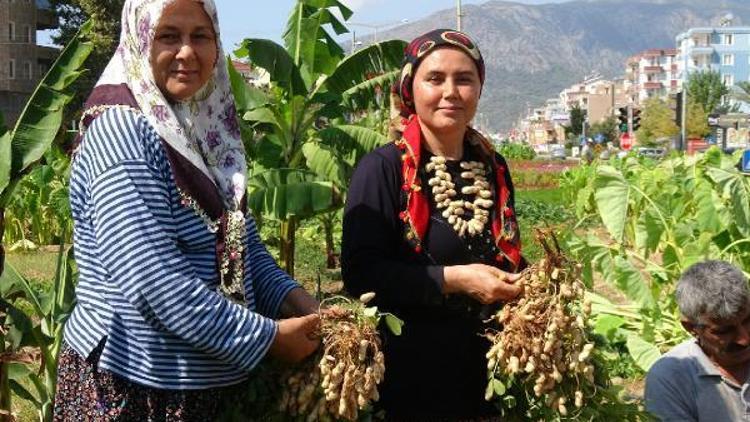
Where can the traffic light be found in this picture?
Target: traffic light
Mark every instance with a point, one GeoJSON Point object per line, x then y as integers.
{"type": "Point", "coordinates": [636, 119]}
{"type": "Point", "coordinates": [622, 117]}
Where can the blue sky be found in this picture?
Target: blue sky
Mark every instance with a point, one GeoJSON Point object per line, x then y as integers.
{"type": "Point", "coordinates": [241, 19]}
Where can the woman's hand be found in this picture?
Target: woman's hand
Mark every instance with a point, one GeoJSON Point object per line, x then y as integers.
{"type": "Point", "coordinates": [484, 283]}
{"type": "Point", "coordinates": [296, 338]}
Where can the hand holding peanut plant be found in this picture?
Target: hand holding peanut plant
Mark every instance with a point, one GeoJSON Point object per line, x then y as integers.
{"type": "Point", "coordinates": [542, 362]}
{"type": "Point", "coordinates": [341, 380]}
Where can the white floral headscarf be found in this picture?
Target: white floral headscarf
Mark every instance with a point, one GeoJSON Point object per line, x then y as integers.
{"type": "Point", "coordinates": [204, 128]}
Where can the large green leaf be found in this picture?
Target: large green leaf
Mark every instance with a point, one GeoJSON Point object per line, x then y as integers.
{"type": "Point", "coordinates": [631, 282]}
{"type": "Point", "coordinates": [644, 353]}
{"type": "Point", "coordinates": [272, 57]}
{"type": "Point", "coordinates": [706, 201]}
{"type": "Point", "coordinates": [365, 64]}
{"type": "Point", "coordinates": [283, 193]}
{"type": "Point", "coordinates": [261, 115]}
{"type": "Point", "coordinates": [372, 92]}
{"type": "Point", "coordinates": [324, 161]}
{"type": "Point", "coordinates": [246, 97]}
{"type": "Point", "coordinates": [40, 120]}
{"type": "Point", "coordinates": [733, 186]}
{"type": "Point", "coordinates": [352, 142]}
{"type": "Point", "coordinates": [612, 194]}
{"type": "Point", "coordinates": [648, 231]}
{"type": "Point", "coordinates": [312, 49]}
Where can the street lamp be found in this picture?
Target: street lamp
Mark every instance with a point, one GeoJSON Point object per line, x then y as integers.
{"type": "Point", "coordinates": [377, 26]}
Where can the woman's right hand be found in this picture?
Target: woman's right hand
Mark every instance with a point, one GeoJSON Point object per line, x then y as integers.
{"type": "Point", "coordinates": [296, 338]}
{"type": "Point", "coordinates": [484, 283]}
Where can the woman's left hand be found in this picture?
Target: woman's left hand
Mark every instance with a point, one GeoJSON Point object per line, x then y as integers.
{"type": "Point", "coordinates": [484, 283]}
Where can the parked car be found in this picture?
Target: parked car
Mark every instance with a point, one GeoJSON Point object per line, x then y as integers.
{"type": "Point", "coordinates": [557, 151]}
{"type": "Point", "coordinates": [653, 153]}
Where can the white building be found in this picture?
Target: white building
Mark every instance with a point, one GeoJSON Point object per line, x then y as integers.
{"type": "Point", "coordinates": [652, 73]}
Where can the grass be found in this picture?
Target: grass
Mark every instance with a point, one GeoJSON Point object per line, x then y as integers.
{"type": "Point", "coordinates": [550, 198]}
{"type": "Point", "coordinates": [37, 266]}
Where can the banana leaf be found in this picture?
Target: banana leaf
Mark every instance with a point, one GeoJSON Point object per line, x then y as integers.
{"type": "Point", "coordinates": [352, 142]}
{"type": "Point", "coordinates": [272, 57]}
{"type": "Point", "coordinates": [42, 117]}
{"type": "Point", "coordinates": [283, 193]}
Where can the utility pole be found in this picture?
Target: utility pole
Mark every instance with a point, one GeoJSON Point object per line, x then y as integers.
{"type": "Point", "coordinates": [459, 14]}
{"type": "Point", "coordinates": [683, 124]}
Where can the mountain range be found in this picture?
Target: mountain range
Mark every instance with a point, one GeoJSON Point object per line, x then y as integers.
{"type": "Point", "coordinates": [533, 51]}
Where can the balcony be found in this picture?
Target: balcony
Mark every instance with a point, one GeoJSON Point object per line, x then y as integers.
{"type": "Point", "coordinates": [47, 54]}
{"type": "Point", "coordinates": [653, 69]}
{"type": "Point", "coordinates": [46, 19]}
{"type": "Point", "coordinates": [653, 85]}
{"type": "Point", "coordinates": [701, 51]}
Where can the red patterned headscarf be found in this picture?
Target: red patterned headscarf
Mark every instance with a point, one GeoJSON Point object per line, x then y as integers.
{"type": "Point", "coordinates": [419, 48]}
{"type": "Point", "coordinates": [416, 215]}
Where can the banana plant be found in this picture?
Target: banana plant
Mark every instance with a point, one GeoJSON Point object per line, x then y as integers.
{"type": "Point", "coordinates": [305, 145]}
{"type": "Point", "coordinates": [24, 145]}
{"type": "Point", "coordinates": [32, 339]}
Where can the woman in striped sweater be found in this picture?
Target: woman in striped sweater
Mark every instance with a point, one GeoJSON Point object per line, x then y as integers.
{"type": "Point", "coordinates": [177, 296]}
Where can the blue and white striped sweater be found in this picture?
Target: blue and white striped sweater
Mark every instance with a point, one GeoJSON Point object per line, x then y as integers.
{"type": "Point", "coordinates": [148, 275]}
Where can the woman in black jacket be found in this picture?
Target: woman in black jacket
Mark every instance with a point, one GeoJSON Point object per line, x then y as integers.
{"type": "Point", "coordinates": [430, 227]}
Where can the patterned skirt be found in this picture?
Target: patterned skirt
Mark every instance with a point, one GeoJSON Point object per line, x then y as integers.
{"type": "Point", "coordinates": [86, 393]}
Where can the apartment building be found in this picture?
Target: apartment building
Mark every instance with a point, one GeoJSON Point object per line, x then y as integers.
{"type": "Point", "coordinates": [22, 62]}
{"type": "Point", "coordinates": [598, 97]}
{"type": "Point", "coordinates": [652, 73]}
{"type": "Point", "coordinates": [724, 49]}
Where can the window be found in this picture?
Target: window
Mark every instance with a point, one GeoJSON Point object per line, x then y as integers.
{"type": "Point", "coordinates": [12, 69]}
{"type": "Point", "coordinates": [728, 39]}
{"type": "Point", "coordinates": [29, 35]}
{"type": "Point", "coordinates": [28, 70]}
{"type": "Point", "coordinates": [727, 59]}
{"type": "Point", "coordinates": [11, 31]}
{"type": "Point", "coordinates": [728, 79]}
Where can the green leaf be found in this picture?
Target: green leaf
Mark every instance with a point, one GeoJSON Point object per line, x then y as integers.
{"type": "Point", "coordinates": [324, 161]}
{"type": "Point", "coordinates": [21, 391]}
{"type": "Point", "coordinates": [246, 97]}
{"type": "Point", "coordinates": [612, 194]}
{"type": "Point", "coordinates": [648, 231]}
{"type": "Point", "coordinates": [705, 208]}
{"type": "Point", "coordinates": [394, 324]}
{"type": "Point", "coordinates": [283, 193]}
{"type": "Point", "coordinates": [272, 57]}
{"type": "Point", "coordinates": [643, 352]}
{"type": "Point", "coordinates": [42, 116]}
{"type": "Point", "coordinates": [374, 60]}
{"type": "Point", "coordinates": [631, 282]}
{"type": "Point", "coordinates": [607, 325]}
{"type": "Point", "coordinates": [366, 76]}
{"type": "Point", "coordinates": [262, 115]}
{"type": "Point", "coordinates": [352, 142]}
{"type": "Point", "coordinates": [498, 387]}
{"type": "Point", "coordinates": [370, 312]}
{"type": "Point", "coordinates": [372, 92]}
{"type": "Point", "coordinates": [5, 160]}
